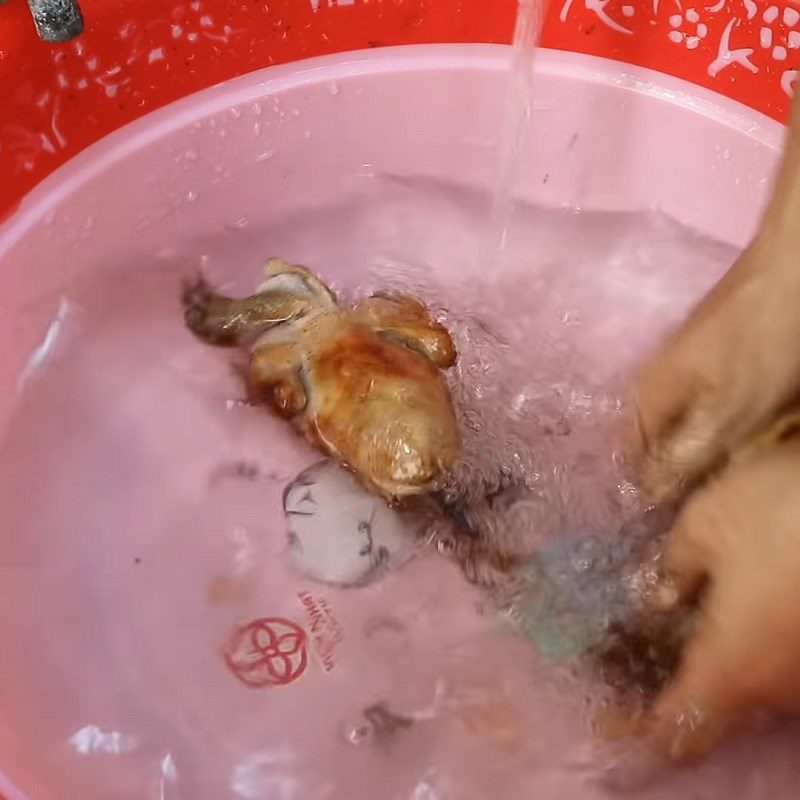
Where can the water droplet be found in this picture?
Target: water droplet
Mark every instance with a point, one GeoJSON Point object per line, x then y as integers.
{"type": "Point", "coordinates": [241, 223]}
{"type": "Point", "coordinates": [306, 135]}
{"type": "Point", "coordinates": [295, 112]}
{"type": "Point", "coordinates": [333, 88]}
{"type": "Point", "coordinates": [265, 156]}
{"type": "Point", "coordinates": [218, 169]}
{"type": "Point", "coordinates": [257, 129]}
{"type": "Point", "coordinates": [236, 113]}
{"type": "Point", "coordinates": [570, 317]}
{"type": "Point", "coordinates": [357, 734]}
{"type": "Point", "coordinates": [190, 155]}
{"type": "Point", "coordinates": [256, 106]}
{"type": "Point", "coordinates": [191, 196]}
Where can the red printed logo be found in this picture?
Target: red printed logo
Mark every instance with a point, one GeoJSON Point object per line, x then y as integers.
{"type": "Point", "coordinates": [267, 652]}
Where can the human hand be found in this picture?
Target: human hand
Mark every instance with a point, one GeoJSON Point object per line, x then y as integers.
{"type": "Point", "coordinates": [725, 373]}
{"type": "Point", "coordinates": [737, 540]}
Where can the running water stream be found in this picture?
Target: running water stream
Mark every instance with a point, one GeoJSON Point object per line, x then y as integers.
{"type": "Point", "coordinates": [516, 132]}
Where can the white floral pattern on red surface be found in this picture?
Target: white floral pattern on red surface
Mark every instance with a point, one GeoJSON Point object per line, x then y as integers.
{"type": "Point", "coordinates": [725, 35]}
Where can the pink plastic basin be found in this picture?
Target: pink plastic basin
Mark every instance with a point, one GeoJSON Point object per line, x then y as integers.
{"type": "Point", "coordinates": [154, 643]}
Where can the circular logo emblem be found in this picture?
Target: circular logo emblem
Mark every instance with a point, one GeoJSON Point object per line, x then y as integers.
{"type": "Point", "coordinates": [267, 652]}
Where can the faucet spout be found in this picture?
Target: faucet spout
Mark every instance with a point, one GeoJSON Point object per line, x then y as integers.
{"type": "Point", "coordinates": [57, 20]}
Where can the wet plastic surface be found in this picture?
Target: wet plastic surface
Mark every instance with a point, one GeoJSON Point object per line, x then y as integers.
{"type": "Point", "coordinates": [152, 649]}
{"type": "Point", "coordinates": [137, 55]}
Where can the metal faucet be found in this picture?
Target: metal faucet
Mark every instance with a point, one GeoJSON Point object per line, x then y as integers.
{"type": "Point", "coordinates": [56, 20]}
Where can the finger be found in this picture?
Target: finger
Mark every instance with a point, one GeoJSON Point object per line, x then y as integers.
{"type": "Point", "coordinates": [685, 572]}
{"type": "Point", "coordinates": [699, 708]}
{"type": "Point", "coordinates": [693, 446]}
{"type": "Point", "coordinates": [687, 555]}
{"type": "Point", "coordinates": [662, 395]}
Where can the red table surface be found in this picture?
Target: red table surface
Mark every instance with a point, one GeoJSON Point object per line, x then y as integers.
{"type": "Point", "coordinates": [137, 55]}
